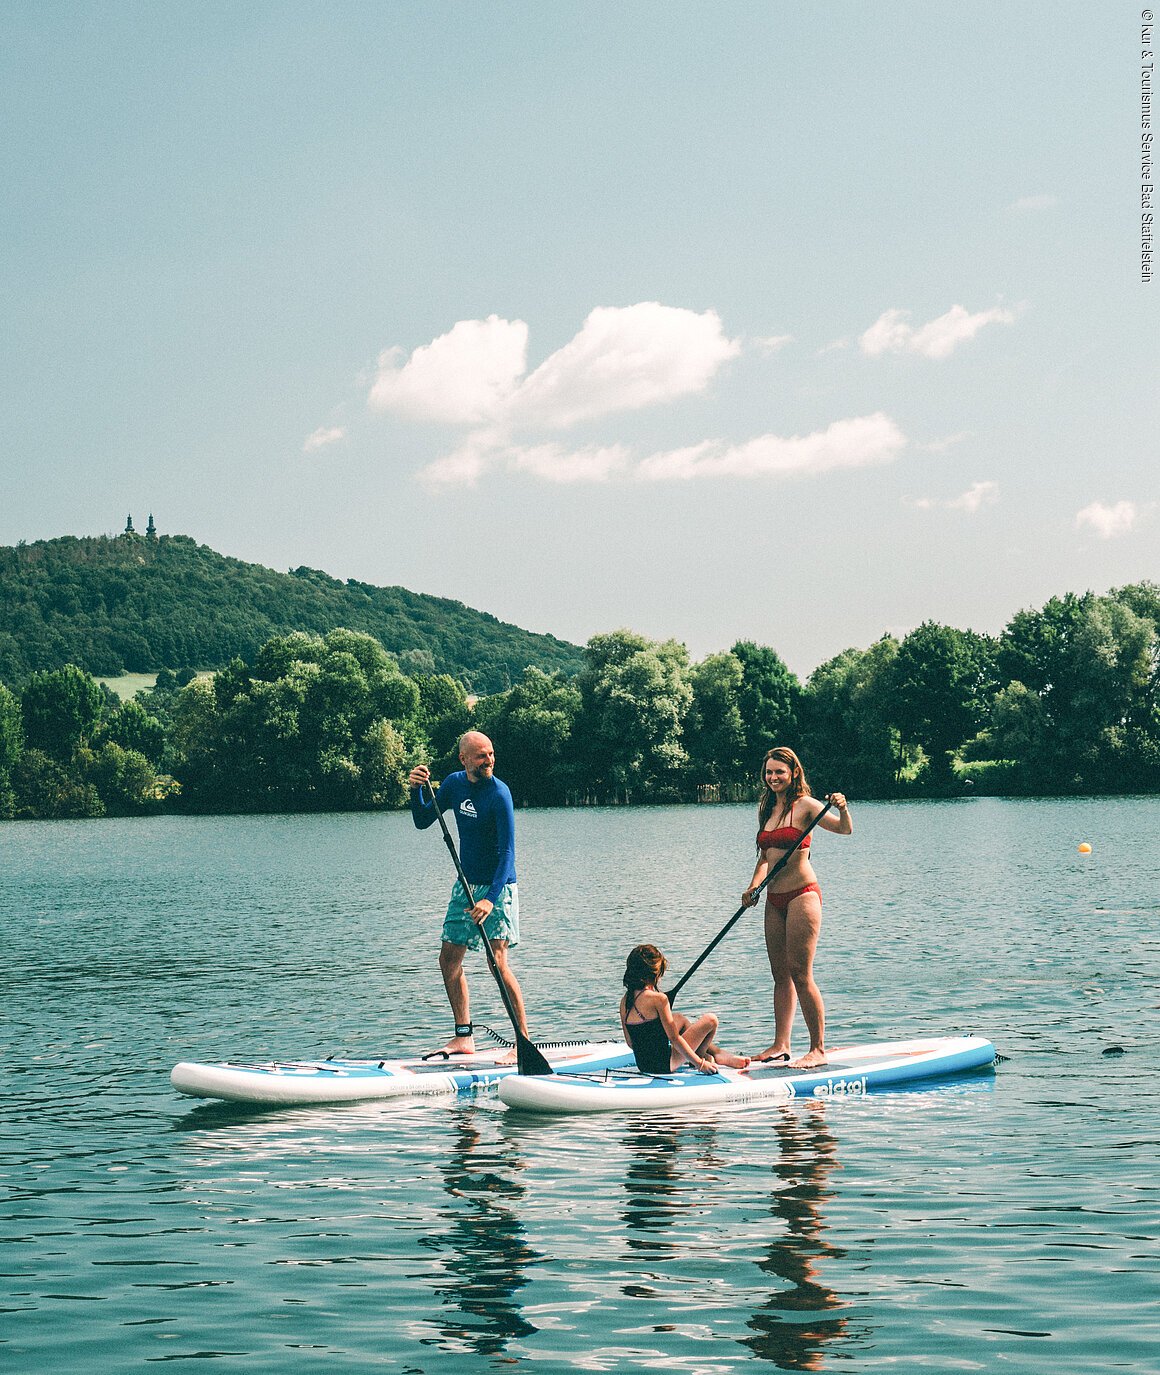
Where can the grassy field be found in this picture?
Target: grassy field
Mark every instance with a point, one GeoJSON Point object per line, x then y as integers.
{"type": "Point", "coordinates": [129, 684]}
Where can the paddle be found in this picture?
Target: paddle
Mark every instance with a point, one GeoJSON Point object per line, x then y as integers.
{"type": "Point", "coordinates": [736, 917]}
{"type": "Point", "coordinates": [529, 1060]}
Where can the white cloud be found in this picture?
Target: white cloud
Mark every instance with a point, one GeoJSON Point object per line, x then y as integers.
{"type": "Point", "coordinates": [976, 496]}
{"type": "Point", "coordinates": [465, 465]}
{"type": "Point", "coordinates": [555, 463]}
{"type": "Point", "coordinates": [464, 377]}
{"type": "Point", "coordinates": [771, 343]}
{"type": "Point", "coordinates": [892, 332]}
{"type": "Point", "coordinates": [487, 452]}
{"type": "Point", "coordinates": [1107, 521]}
{"type": "Point", "coordinates": [623, 358]}
{"type": "Point", "coordinates": [858, 443]}
{"type": "Point", "coordinates": [888, 334]}
{"type": "Point", "coordinates": [940, 446]}
{"type": "Point", "coordinates": [323, 436]}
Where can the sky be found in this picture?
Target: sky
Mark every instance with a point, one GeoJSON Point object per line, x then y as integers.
{"type": "Point", "coordinates": [791, 322]}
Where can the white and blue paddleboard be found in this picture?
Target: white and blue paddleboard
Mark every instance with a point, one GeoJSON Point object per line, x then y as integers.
{"type": "Point", "coordinates": [851, 1070]}
{"type": "Point", "coordinates": [287, 1083]}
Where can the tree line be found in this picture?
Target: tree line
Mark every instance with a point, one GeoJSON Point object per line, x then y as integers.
{"type": "Point", "coordinates": [1064, 700]}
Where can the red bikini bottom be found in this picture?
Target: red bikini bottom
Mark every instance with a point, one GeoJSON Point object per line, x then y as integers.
{"type": "Point", "coordinates": [782, 900]}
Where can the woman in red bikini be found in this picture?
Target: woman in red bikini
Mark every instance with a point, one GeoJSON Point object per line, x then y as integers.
{"type": "Point", "coordinates": [793, 901]}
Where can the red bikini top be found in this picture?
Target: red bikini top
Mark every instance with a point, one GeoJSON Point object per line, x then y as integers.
{"type": "Point", "coordinates": [784, 838]}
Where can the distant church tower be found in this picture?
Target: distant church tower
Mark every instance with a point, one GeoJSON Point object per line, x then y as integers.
{"type": "Point", "coordinates": [129, 527]}
{"type": "Point", "coordinates": [151, 529]}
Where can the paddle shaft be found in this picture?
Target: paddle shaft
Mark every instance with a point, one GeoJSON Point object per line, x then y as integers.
{"type": "Point", "coordinates": [528, 1058]}
{"type": "Point", "coordinates": [736, 917]}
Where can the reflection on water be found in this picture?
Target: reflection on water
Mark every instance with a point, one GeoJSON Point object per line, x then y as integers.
{"type": "Point", "coordinates": [485, 1254]}
{"type": "Point", "coordinates": [808, 1156]}
{"type": "Point", "coordinates": [657, 1184]}
{"type": "Point", "coordinates": [673, 1203]}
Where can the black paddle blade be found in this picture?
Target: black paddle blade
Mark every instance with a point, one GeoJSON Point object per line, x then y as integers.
{"type": "Point", "coordinates": [529, 1060]}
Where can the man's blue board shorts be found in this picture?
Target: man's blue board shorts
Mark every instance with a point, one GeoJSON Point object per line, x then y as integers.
{"type": "Point", "coordinates": [502, 924]}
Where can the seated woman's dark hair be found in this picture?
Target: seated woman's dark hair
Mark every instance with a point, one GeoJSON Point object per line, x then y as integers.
{"type": "Point", "coordinates": [644, 966]}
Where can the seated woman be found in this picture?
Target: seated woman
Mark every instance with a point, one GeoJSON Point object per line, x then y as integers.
{"type": "Point", "coordinates": [663, 1040]}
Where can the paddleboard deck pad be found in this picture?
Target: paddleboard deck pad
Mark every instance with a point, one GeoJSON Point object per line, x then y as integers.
{"type": "Point", "coordinates": [348, 1081]}
{"type": "Point", "coordinates": [849, 1071]}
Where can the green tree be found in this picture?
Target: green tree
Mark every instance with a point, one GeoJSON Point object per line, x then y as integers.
{"type": "Point", "coordinates": [1091, 663]}
{"type": "Point", "coordinates": [197, 754]}
{"type": "Point", "coordinates": [531, 727]}
{"type": "Point", "coordinates": [442, 716]}
{"type": "Point", "coordinates": [847, 736]}
{"type": "Point", "coordinates": [769, 700]}
{"type": "Point", "coordinates": [61, 708]}
{"type": "Point", "coordinates": [417, 662]}
{"type": "Point", "coordinates": [52, 788]}
{"type": "Point", "coordinates": [943, 683]}
{"type": "Point", "coordinates": [11, 729]}
{"type": "Point", "coordinates": [125, 780]}
{"type": "Point", "coordinates": [715, 731]}
{"type": "Point", "coordinates": [11, 748]}
{"type": "Point", "coordinates": [132, 727]}
{"type": "Point", "coordinates": [999, 757]}
{"type": "Point", "coordinates": [315, 723]}
{"type": "Point", "coordinates": [635, 694]}
{"type": "Point", "coordinates": [381, 759]}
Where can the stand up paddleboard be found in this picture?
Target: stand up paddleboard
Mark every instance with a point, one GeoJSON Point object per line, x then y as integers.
{"type": "Point", "coordinates": [348, 1081]}
{"type": "Point", "coordinates": [852, 1070]}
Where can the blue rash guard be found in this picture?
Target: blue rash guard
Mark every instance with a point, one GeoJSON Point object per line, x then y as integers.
{"type": "Point", "coordinates": [486, 822]}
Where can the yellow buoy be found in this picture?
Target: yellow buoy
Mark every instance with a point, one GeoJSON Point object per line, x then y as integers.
{"type": "Point", "coordinates": [1085, 848]}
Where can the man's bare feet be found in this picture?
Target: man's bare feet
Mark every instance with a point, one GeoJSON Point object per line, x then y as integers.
{"type": "Point", "coordinates": [812, 1059]}
{"type": "Point", "coordinates": [774, 1055]}
{"type": "Point", "coordinates": [460, 1045]}
{"type": "Point", "coordinates": [509, 1057]}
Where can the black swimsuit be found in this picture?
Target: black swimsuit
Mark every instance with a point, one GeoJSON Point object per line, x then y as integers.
{"type": "Point", "coordinates": [649, 1043]}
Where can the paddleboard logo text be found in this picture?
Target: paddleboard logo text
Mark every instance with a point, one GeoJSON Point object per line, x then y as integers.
{"type": "Point", "coordinates": [832, 1088]}
{"type": "Point", "coordinates": [835, 1088]}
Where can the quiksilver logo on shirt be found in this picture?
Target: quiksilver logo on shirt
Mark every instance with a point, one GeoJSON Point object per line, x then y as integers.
{"type": "Point", "coordinates": [467, 807]}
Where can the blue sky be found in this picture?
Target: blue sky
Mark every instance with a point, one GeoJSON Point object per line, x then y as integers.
{"type": "Point", "coordinates": [789, 322]}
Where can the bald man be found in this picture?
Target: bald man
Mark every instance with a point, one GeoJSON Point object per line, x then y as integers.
{"type": "Point", "coordinates": [485, 820]}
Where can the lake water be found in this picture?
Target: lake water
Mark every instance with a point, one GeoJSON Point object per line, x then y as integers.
{"type": "Point", "coordinates": [1005, 1223]}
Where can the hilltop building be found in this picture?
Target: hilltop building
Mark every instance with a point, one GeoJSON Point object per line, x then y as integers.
{"type": "Point", "coordinates": [150, 529]}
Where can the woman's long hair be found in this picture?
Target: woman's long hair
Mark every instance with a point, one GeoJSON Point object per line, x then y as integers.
{"type": "Point", "coordinates": [798, 783]}
{"type": "Point", "coordinates": [643, 968]}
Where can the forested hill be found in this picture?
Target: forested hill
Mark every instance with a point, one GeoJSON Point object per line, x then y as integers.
{"type": "Point", "coordinates": [135, 604]}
